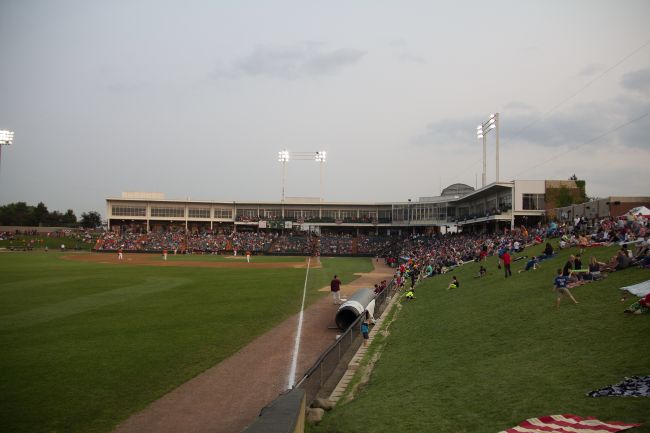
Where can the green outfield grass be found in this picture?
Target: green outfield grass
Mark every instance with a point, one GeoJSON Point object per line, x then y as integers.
{"type": "Point", "coordinates": [494, 352]}
{"type": "Point", "coordinates": [86, 345]}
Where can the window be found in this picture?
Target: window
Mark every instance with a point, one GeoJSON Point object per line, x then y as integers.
{"type": "Point", "coordinates": [331, 213]}
{"type": "Point", "coordinates": [199, 213]}
{"type": "Point", "coordinates": [533, 202]}
{"type": "Point", "coordinates": [385, 215]}
{"type": "Point", "coordinates": [309, 214]}
{"type": "Point", "coordinates": [223, 213]}
{"type": "Point", "coordinates": [505, 202]}
{"type": "Point", "coordinates": [168, 212]}
{"type": "Point", "coordinates": [129, 211]}
{"type": "Point", "coordinates": [271, 214]}
{"type": "Point", "coordinates": [247, 213]}
{"type": "Point", "coordinates": [292, 214]}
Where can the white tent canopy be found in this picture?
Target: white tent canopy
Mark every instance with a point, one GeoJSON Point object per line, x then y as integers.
{"type": "Point", "coordinates": [639, 210]}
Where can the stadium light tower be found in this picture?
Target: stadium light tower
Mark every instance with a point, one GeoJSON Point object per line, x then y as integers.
{"type": "Point", "coordinates": [6, 138]}
{"type": "Point", "coordinates": [481, 131]}
{"type": "Point", "coordinates": [320, 157]}
{"type": "Point", "coordinates": [283, 157]}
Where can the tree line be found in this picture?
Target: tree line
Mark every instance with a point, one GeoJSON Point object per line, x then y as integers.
{"type": "Point", "coordinates": [22, 214]}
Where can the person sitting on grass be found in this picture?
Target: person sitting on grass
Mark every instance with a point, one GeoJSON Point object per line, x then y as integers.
{"type": "Point", "coordinates": [454, 283]}
{"type": "Point", "coordinates": [532, 264]}
{"type": "Point", "coordinates": [561, 288]}
{"type": "Point", "coordinates": [595, 270]}
{"type": "Point", "coordinates": [619, 262]}
{"type": "Point", "coordinates": [410, 294]}
{"type": "Point", "coordinates": [641, 306]}
{"type": "Point", "coordinates": [644, 262]}
{"type": "Point", "coordinates": [548, 251]}
{"type": "Point", "coordinates": [481, 272]}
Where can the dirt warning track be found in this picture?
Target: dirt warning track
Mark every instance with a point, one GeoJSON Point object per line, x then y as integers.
{"type": "Point", "coordinates": [230, 395]}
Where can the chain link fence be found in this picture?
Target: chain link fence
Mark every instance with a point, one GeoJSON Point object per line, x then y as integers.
{"type": "Point", "coordinates": [321, 379]}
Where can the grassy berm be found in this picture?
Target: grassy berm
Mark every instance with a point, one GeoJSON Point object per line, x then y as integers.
{"type": "Point", "coordinates": [496, 351]}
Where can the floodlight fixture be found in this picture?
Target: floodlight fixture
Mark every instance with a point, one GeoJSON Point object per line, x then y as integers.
{"type": "Point", "coordinates": [320, 156]}
{"type": "Point", "coordinates": [6, 137]}
{"type": "Point", "coordinates": [283, 156]}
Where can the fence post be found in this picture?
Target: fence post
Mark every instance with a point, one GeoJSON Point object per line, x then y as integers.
{"type": "Point", "coordinates": [338, 346]}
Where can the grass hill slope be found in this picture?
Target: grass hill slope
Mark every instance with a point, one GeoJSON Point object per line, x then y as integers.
{"type": "Point", "coordinates": [496, 351]}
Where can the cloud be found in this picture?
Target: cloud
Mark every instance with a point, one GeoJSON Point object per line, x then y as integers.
{"type": "Point", "coordinates": [518, 105]}
{"type": "Point", "coordinates": [573, 126]}
{"type": "Point", "coordinates": [401, 51]}
{"type": "Point", "coordinates": [291, 62]}
{"type": "Point", "coordinates": [637, 81]}
{"type": "Point", "coordinates": [592, 69]}
{"type": "Point", "coordinates": [445, 132]}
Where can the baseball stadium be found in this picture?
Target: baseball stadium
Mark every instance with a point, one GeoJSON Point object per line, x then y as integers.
{"type": "Point", "coordinates": [217, 316]}
{"type": "Point", "coordinates": [454, 237]}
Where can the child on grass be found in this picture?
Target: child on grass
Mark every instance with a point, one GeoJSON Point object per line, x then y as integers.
{"type": "Point", "coordinates": [561, 288]}
{"type": "Point", "coordinates": [365, 330]}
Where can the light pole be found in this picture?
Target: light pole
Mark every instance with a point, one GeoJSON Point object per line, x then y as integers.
{"type": "Point", "coordinates": [6, 138]}
{"type": "Point", "coordinates": [284, 156]}
{"type": "Point", "coordinates": [481, 131]}
{"type": "Point", "coordinates": [320, 157]}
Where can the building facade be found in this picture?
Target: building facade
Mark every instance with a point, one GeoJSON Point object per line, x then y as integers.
{"type": "Point", "coordinates": [493, 207]}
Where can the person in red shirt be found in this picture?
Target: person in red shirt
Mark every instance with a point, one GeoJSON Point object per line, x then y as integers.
{"type": "Point", "coordinates": [335, 287]}
{"type": "Point", "coordinates": [506, 263]}
{"type": "Point", "coordinates": [641, 306]}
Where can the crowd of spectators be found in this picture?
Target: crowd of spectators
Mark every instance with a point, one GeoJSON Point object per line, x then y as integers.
{"type": "Point", "coordinates": [335, 244]}
{"type": "Point", "coordinates": [293, 244]}
{"type": "Point", "coordinates": [440, 252]}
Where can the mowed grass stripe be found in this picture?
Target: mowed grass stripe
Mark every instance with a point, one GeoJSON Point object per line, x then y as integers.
{"type": "Point", "coordinates": [87, 371]}
{"type": "Point", "coordinates": [494, 352]}
{"type": "Point", "coordinates": [85, 303]}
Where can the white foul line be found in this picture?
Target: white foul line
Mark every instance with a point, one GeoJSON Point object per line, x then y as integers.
{"type": "Point", "coordinates": [296, 347]}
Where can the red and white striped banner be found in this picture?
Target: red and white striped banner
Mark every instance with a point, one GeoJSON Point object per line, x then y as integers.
{"type": "Point", "coordinates": [568, 424]}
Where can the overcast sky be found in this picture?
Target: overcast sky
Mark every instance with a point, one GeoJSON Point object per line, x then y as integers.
{"type": "Point", "coordinates": [195, 98]}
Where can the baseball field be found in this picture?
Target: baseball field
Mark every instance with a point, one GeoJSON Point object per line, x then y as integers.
{"type": "Point", "coordinates": [88, 340]}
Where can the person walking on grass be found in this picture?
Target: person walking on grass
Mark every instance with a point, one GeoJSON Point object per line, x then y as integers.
{"type": "Point", "coordinates": [335, 287]}
{"type": "Point", "coordinates": [506, 263]}
{"type": "Point", "coordinates": [561, 288]}
{"type": "Point", "coordinates": [365, 330]}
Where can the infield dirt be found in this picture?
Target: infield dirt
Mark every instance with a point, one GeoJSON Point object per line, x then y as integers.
{"type": "Point", "coordinates": [155, 260]}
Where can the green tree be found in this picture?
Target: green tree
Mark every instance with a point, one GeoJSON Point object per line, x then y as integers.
{"type": "Point", "coordinates": [16, 214]}
{"type": "Point", "coordinates": [91, 220]}
{"type": "Point", "coordinates": [40, 214]}
{"type": "Point", "coordinates": [69, 218]}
